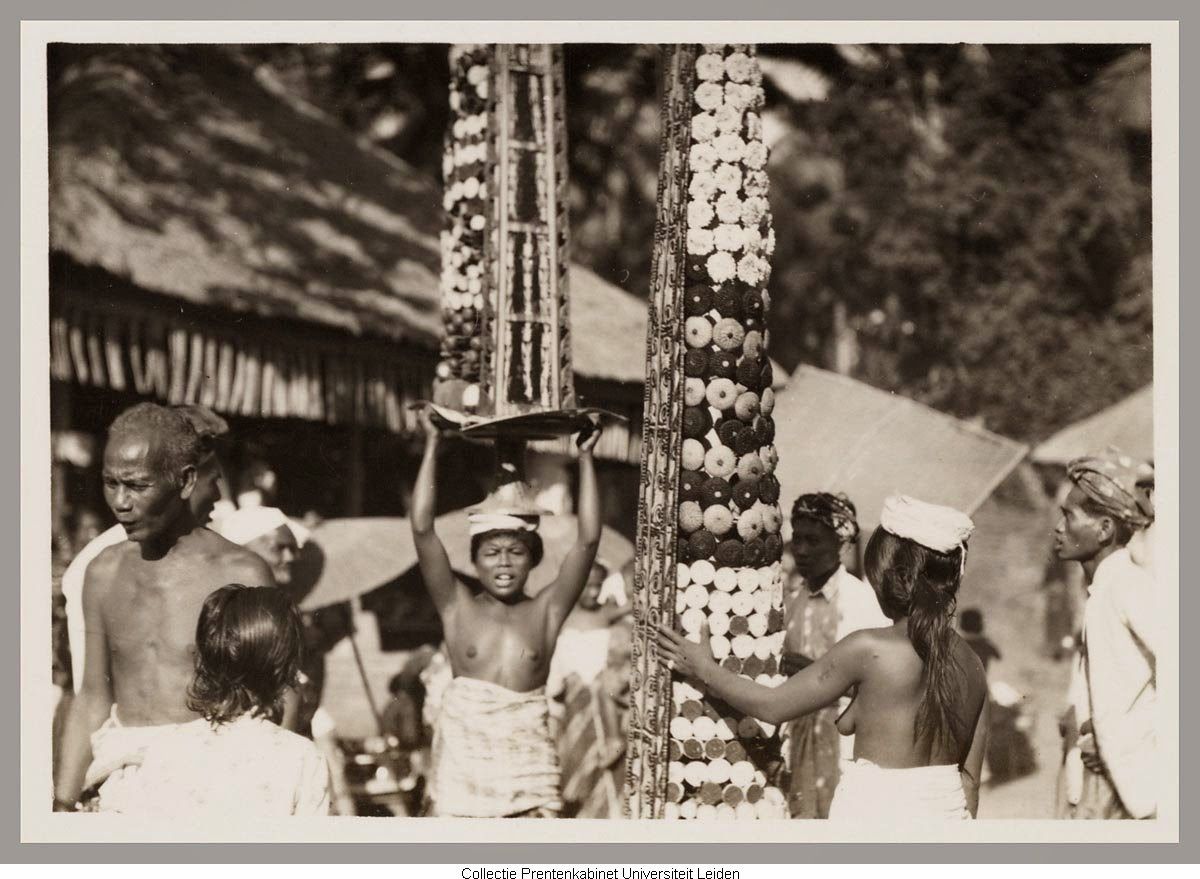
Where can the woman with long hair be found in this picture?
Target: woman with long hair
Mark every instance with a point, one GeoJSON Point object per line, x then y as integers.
{"type": "Point", "coordinates": [919, 709]}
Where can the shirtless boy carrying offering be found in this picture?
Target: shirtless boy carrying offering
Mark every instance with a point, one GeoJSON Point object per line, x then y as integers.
{"type": "Point", "coordinates": [141, 601]}
{"type": "Point", "coordinates": [493, 756]}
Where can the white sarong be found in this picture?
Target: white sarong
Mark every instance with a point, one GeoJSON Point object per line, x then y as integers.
{"type": "Point", "coordinates": [117, 752]}
{"type": "Point", "coordinates": [869, 792]}
{"type": "Point", "coordinates": [246, 769]}
{"type": "Point", "coordinates": [492, 752]}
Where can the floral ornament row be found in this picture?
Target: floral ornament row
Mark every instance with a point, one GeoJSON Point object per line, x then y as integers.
{"type": "Point", "coordinates": [465, 199]}
{"type": "Point", "coordinates": [729, 574]}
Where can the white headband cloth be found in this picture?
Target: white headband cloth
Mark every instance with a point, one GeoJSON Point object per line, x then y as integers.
{"type": "Point", "coordinates": [482, 523]}
{"type": "Point", "coordinates": [249, 523]}
{"type": "Point", "coordinates": [942, 529]}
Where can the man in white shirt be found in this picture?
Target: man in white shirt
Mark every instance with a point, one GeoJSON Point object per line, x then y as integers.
{"type": "Point", "coordinates": [1111, 770]}
{"type": "Point", "coordinates": [825, 604]}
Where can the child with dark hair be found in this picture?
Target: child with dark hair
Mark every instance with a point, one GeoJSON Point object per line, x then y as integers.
{"type": "Point", "coordinates": [235, 762]}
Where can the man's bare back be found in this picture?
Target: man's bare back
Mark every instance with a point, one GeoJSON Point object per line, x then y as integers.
{"type": "Point", "coordinates": [147, 610]}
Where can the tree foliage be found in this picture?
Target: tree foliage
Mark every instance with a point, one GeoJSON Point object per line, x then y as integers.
{"type": "Point", "coordinates": [976, 220]}
{"type": "Point", "coordinates": [984, 223]}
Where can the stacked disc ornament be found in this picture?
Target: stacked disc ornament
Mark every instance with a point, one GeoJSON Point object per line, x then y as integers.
{"type": "Point", "coordinates": [727, 553]}
{"type": "Point", "coordinates": [506, 348]}
{"type": "Point", "coordinates": [466, 165]}
{"type": "Point", "coordinates": [729, 546]}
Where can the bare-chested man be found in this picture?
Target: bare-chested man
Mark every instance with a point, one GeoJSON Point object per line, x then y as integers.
{"type": "Point", "coordinates": [142, 599]}
{"type": "Point", "coordinates": [493, 755]}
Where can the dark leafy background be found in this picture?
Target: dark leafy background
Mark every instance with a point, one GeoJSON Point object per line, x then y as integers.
{"type": "Point", "coordinates": [969, 225]}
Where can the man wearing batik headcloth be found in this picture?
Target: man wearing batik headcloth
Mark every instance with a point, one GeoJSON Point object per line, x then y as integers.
{"type": "Point", "coordinates": [492, 751]}
{"type": "Point", "coordinates": [825, 604]}
{"type": "Point", "coordinates": [1111, 757]}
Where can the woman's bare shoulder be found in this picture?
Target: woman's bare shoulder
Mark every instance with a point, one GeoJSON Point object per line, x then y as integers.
{"type": "Point", "coordinates": [883, 637]}
{"type": "Point", "coordinates": [868, 643]}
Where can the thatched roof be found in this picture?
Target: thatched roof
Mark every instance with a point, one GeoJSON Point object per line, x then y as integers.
{"type": "Point", "coordinates": [179, 169]}
{"type": "Point", "coordinates": [185, 173]}
{"type": "Point", "coordinates": [1127, 425]}
{"type": "Point", "coordinates": [871, 443]}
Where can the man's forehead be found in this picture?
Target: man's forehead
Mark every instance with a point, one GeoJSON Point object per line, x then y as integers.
{"type": "Point", "coordinates": [502, 540]}
{"type": "Point", "coordinates": [812, 528]}
{"type": "Point", "coordinates": [128, 450]}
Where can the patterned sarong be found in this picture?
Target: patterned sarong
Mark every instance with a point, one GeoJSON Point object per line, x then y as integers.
{"type": "Point", "coordinates": [868, 792]}
{"type": "Point", "coordinates": [492, 752]}
{"type": "Point", "coordinates": [592, 749]}
{"type": "Point", "coordinates": [813, 753]}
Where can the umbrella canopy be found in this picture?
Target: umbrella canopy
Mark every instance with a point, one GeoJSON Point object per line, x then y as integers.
{"type": "Point", "coordinates": [1128, 425]}
{"type": "Point", "coordinates": [838, 434]}
{"type": "Point", "coordinates": [345, 558]}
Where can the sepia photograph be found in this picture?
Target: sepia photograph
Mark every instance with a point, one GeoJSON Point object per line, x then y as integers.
{"type": "Point", "coordinates": [634, 430]}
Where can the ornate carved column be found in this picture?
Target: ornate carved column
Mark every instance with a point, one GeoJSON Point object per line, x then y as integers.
{"type": "Point", "coordinates": [708, 529]}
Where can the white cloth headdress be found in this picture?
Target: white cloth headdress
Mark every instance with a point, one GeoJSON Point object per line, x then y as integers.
{"type": "Point", "coordinates": [250, 523]}
{"type": "Point", "coordinates": [613, 589]}
{"type": "Point", "coordinates": [942, 529]}
{"type": "Point", "coordinates": [483, 522]}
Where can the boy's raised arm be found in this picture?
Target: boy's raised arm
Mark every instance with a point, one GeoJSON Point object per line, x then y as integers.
{"type": "Point", "coordinates": [431, 554]}
{"type": "Point", "coordinates": [573, 574]}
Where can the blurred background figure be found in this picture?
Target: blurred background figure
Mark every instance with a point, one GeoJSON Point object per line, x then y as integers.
{"type": "Point", "coordinates": [276, 539]}
{"type": "Point", "coordinates": [404, 725]}
{"type": "Point", "coordinates": [258, 485]}
{"type": "Point", "coordinates": [970, 623]}
{"type": "Point", "coordinates": [1010, 753]}
{"type": "Point", "coordinates": [824, 603]}
{"type": "Point", "coordinates": [1141, 545]}
{"type": "Point", "coordinates": [588, 685]}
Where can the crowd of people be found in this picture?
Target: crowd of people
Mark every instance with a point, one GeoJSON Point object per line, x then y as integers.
{"type": "Point", "coordinates": [197, 682]}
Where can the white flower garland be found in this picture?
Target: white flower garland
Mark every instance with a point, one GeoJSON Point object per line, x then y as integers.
{"type": "Point", "coordinates": [465, 200]}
